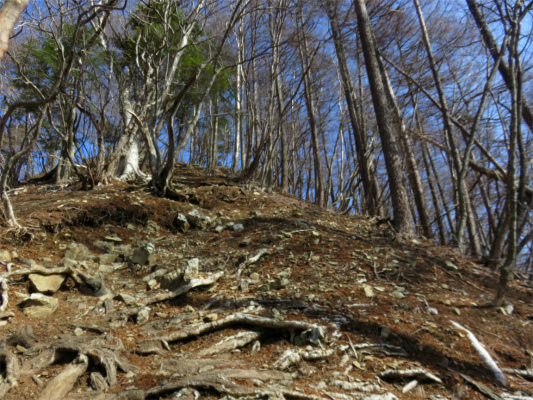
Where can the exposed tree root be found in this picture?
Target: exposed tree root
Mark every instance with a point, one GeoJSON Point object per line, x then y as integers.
{"type": "Point", "coordinates": [234, 319]}
{"type": "Point", "coordinates": [63, 383]}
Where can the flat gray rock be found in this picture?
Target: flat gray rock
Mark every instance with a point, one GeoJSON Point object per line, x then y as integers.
{"type": "Point", "coordinates": [48, 284]}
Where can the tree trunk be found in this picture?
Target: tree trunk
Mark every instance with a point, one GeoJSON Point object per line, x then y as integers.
{"type": "Point", "coordinates": [391, 152]}
{"type": "Point", "coordinates": [9, 15]}
{"type": "Point", "coordinates": [357, 130]}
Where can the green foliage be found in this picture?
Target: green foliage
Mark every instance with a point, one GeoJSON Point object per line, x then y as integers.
{"type": "Point", "coordinates": [155, 34]}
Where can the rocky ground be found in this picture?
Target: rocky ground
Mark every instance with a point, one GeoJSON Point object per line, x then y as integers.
{"type": "Point", "coordinates": [231, 291]}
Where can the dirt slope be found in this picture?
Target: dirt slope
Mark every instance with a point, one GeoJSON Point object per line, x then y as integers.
{"type": "Point", "coordinates": [317, 305]}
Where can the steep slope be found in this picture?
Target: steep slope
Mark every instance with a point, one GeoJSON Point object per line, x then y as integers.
{"type": "Point", "coordinates": [231, 290]}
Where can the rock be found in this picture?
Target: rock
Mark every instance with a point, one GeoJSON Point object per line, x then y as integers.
{"type": "Point", "coordinates": [135, 394]}
{"type": "Point", "coordinates": [152, 227]}
{"type": "Point", "coordinates": [104, 246]}
{"type": "Point", "coordinates": [108, 258]}
{"type": "Point", "coordinates": [46, 259]}
{"type": "Point", "coordinates": [369, 292]}
{"type": "Point", "coordinates": [46, 283]}
{"type": "Point", "coordinates": [152, 284]}
{"type": "Point", "coordinates": [5, 257]}
{"type": "Point", "coordinates": [96, 286]}
{"type": "Point", "coordinates": [211, 317]}
{"type": "Point", "coordinates": [385, 331]}
{"type": "Point", "coordinates": [67, 262]}
{"type": "Point", "coordinates": [191, 270]}
{"type": "Point", "coordinates": [124, 250]}
{"type": "Point", "coordinates": [28, 262]}
{"type": "Point", "coordinates": [38, 305]}
{"type": "Point", "coordinates": [114, 239]}
{"type": "Point", "coordinates": [397, 294]}
{"type": "Point", "coordinates": [143, 315]}
{"type": "Point", "coordinates": [126, 298]}
{"type": "Point", "coordinates": [238, 227]}
{"type": "Point", "coordinates": [197, 220]}
{"type": "Point", "coordinates": [255, 277]}
{"type": "Point", "coordinates": [145, 255]}
{"type": "Point", "coordinates": [451, 266]}
{"type": "Point", "coordinates": [280, 283]}
{"type": "Point", "coordinates": [106, 268]}
{"type": "Point", "coordinates": [181, 223]}
{"type": "Point", "coordinates": [78, 332]}
{"type": "Point", "coordinates": [77, 251]}
{"type": "Point", "coordinates": [245, 242]}
{"type": "Point", "coordinates": [219, 228]}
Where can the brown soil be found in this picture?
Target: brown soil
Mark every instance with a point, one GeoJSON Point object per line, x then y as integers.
{"type": "Point", "coordinates": [329, 259]}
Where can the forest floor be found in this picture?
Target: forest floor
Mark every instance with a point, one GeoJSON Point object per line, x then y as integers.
{"type": "Point", "coordinates": [268, 297]}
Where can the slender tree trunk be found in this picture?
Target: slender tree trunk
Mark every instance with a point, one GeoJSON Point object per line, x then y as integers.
{"type": "Point", "coordinates": [357, 130]}
{"type": "Point", "coordinates": [391, 152]}
{"type": "Point", "coordinates": [311, 116]}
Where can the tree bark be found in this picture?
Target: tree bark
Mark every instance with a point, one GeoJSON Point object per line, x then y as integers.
{"type": "Point", "coordinates": [391, 152]}
{"type": "Point", "coordinates": [9, 15]}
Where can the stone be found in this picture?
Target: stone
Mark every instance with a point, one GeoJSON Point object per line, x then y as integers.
{"type": "Point", "coordinates": [78, 332]}
{"type": "Point", "coordinates": [245, 242]}
{"type": "Point", "coordinates": [123, 250]}
{"type": "Point", "coordinates": [38, 305]}
{"type": "Point", "coordinates": [385, 331]}
{"type": "Point", "coordinates": [67, 262]}
{"type": "Point", "coordinates": [255, 277]}
{"type": "Point", "coordinates": [28, 262]}
{"type": "Point", "coordinates": [238, 227]}
{"type": "Point", "coordinates": [114, 239]}
{"type": "Point", "coordinates": [397, 294]}
{"type": "Point", "coordinates": [106, 268]}
{"type": "Point", "coordinates": [219, 228]}
{"type": "Point", "coordinates": [48, 284]}
{"type": "Point", "coordinates": [5, 257]}
{"type": "Point", "coordinates": [191, 270]}
{"type": "Point", "coordinates": [180, 221]}
{"type": "Point", "coordinates": [152, 227]}
{"type": "Point", "coordinates": [152, 284]}
{"type": "Point", "coordinates": [369, 292]}
{"type": "Point", "coordinates": [143, 315]}
{"type": "Point", "coordinates": [211, 317]}
{"type": "Point", "coordinates": [77, 251]}
{"type": "Point", "coordinates": [145, 255]}
{"type": "Point", "coordinates": [106, 258]}
{"type": "Point", "coordinates": [126, 298]}
{"type": "Point", "coordinates": [451, 266]}
{"type": "Point", "coordinates": [104, 246]}
{"type": "Point", "coordinates": [197, 220]}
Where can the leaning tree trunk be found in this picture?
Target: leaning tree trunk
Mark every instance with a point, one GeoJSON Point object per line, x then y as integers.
{"type": "Point", "coordinates": [9, 15]}
{"type": "Point", "coordinates": [391, 151]}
